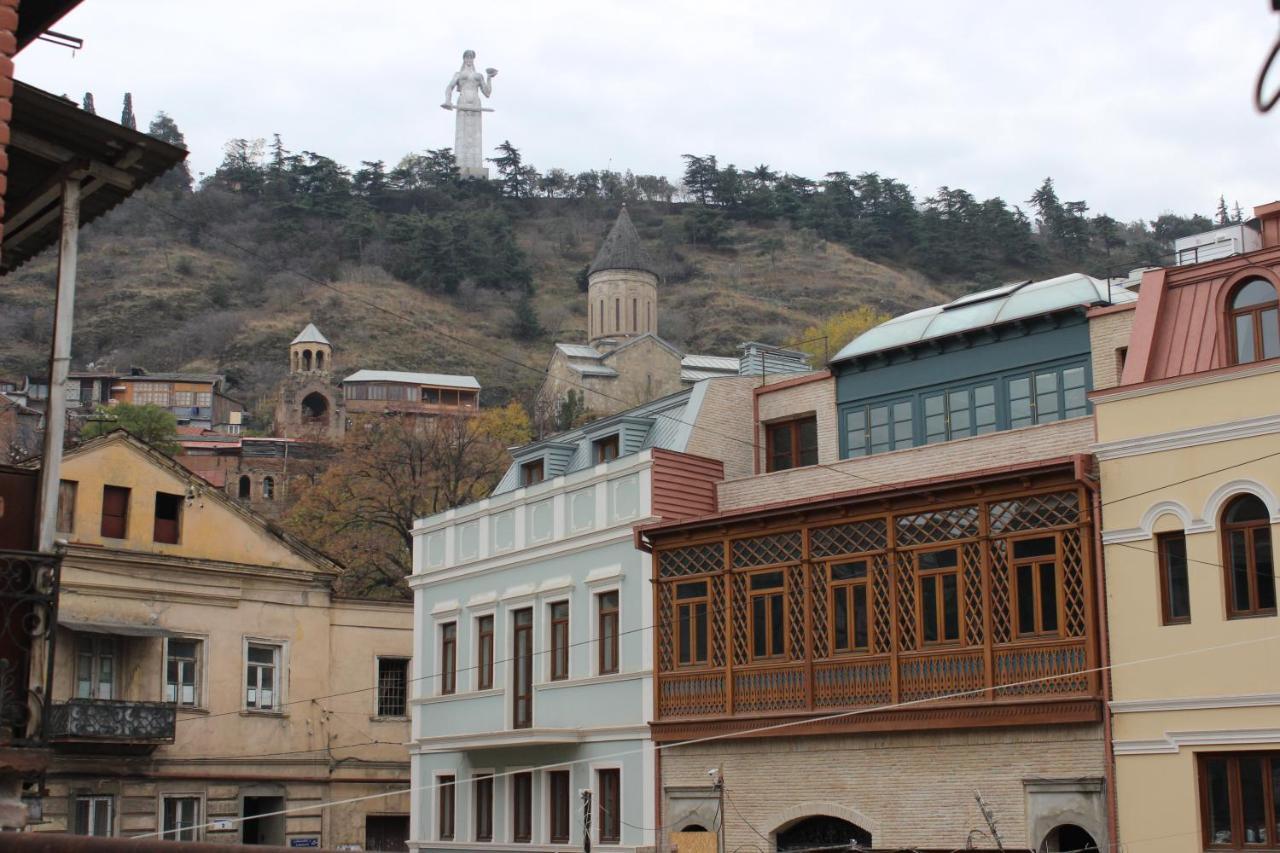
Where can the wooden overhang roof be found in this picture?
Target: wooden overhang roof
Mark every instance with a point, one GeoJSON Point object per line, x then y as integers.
{"type": "Point", "coordinates": [35, 17]}
{"type": "Point", "coordinates": [52, 139]}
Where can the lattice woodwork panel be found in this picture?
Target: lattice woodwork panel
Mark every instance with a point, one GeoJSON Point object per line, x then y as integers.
{"type": "Point", "coordinates": [1034, 512]}
{"type": "Point", "coordinates": [930, 675]}
{"type": "Point", "coordinates": [851, 683]}
{"type": "Point", "coordinates": [693, 560]}
{"type": "Point", "coordinates": [821, 629]}
{"type": "Point", "coordinates": [943, 525]}
{"type": "Point", "coordinates": [1073, 597]}
{"type": "Point", "coordinates": [971, 560]}
{"type": "Point", "coordinates": [666, 637]}
{"type": "Point", "coordinates": [1001, 614]}
{"type": "Point", "coordinates": [906, 602]}
{"type": "Point", "coordinates": [795, 616]}
{"type": "Point", "coordinates": [691, 695]}
{"type": "Point", "coordinates": [854, 538]}
{"type": "Point", "coordinates": [774, 689]}
{"type": "Point", "coordinates": [881, 608]}
{"type": "Point", "coordinates": [738, 603]}
{"type": "Point", "coordinates": [767, 550]}
{"type": "Point", "coordinates": [718, 621]}
{"type": "Point", "coordinates": [1042, 670]}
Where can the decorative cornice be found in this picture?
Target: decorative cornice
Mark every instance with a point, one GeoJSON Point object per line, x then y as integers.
{"type": "Point", "coordinates": [621, 532]}
{"type": "Point", "coordinates": [1159, 386]}
{"type": "Point", "coordinates": [1173, 742]}
{"type": "Point", "coordinates": [526, 737]}
{"type": "Point", "coordinates": [1194, 437]}
{"type": "Point", "coordinates": [1195, 703]}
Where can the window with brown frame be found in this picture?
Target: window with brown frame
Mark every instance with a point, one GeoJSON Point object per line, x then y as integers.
{"type": "Point", "coordinates": [609, 805]}
{"type": "Point", "coordinates": [691, 621]}
{"type": "Point", "coordinates": [1246, 541]}
{"type": "Point", "coordinates": [445, 800]}
{"type": "Point", "coordinates": [67, 506]}
{"type": "Point", "coordinates": [1175, 593]}
{"type": "Point", "coordinates": [532, 473]}
{"type": "Point", "coordinates": [559, 806]}
{"type": "Point", "coordinates": [484, 653]}
{"type": "Point", "coordinates": [1035, 580]}
{"type": "Point", "coordinates": [522, 807]}
{"type": "Point", "coordinates": [605, 449]}
{"type": "Point", "coordinates": [115, 512]}
{"type": "Point", "coordinates": [168, 518]}
{"type": "Point", "coordinates": [850, 603]}
{"type": "Point", "coordinates": [1238, 800]}
{"type": "Point", "coordinates": [767, 592]}
{"type": "Point", "coordinates": [559, 640]}
{"type": "Point", "coordinates": [1254, 315]}
{"type": "Point", "coordinates": [483, 805]}
{"type": "Point", "coordinates": [607, 632]}
{"type": "Point", "coordinates": [448, 657]}
{"type": "Point", "coordinates": [939, 595]}
{"type": "Point", "coordinates": [791, 444]}
{"type": "Point", "coordinates": [522, 656]}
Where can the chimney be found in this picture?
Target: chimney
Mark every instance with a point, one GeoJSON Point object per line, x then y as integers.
{"type": "Point", "coordinates": [759, 359]}
{"type": "Point", "coordinates": [1269, 223]}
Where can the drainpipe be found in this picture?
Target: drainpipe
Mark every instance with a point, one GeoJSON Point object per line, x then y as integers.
{"type": "Point", "coordinates": [1104, 660]}
{"type": "Point", "coordinates": [658, 809]}
{"type": "Point", "coordinates": [55, 416]}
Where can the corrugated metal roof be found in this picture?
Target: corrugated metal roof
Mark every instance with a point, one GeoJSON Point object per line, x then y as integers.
{"type": "Point", "coordinates": [723, 363]}
{"type": "Point", "coordinates": [212, 378]}
{"type": "Point", "coordinates": [983, 309]}
{"type": "Point", "coordinates": [310, 335]}
{"type": "Point", "coordinates": [622, 249]}
{"type": "Point", "coordinates": [445, 380]}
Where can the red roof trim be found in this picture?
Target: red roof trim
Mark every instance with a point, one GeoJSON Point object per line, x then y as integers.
{"type": "Point", "coordinates": [825, 373]}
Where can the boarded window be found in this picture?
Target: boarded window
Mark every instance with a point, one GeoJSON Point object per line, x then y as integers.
{"type": "Point", "coordinates": [115, 512]}
{"type": "Point", "coordinates": [67, 506]}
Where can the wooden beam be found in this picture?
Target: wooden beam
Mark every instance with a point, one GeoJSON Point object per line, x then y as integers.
{"type": "Point", "coordinates": [113, 174]}
{"type": "Point", "coordinates": [12, 238]}
{"type": "Point", "coordinates": [48, 193]}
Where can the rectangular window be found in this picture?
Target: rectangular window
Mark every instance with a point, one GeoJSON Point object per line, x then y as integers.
{"type": "Point", "coordinates": [204, 399]}
{"type": "Point", "coordinates": [448, 658]}
{"type": "Point", "coordinates": [1047, 395]}
{"type": "Point", "coordinates": [151, 394]}
{"type": "Point", "coordinates": [95, 666]}
{"type": "Point", "coordinates": [609, 805]}
{"type": "Point", "coordinates": [393, 687]}
{"type": "Point", "coordinates": [1175, 592]}
{"type": "Point", "coordinates": [605, 449]}
{"type": "Point", "coordinates": [262, 672]}
{"type": "Point", "coordinates": [1238, 796]}
{"type": "Point", "coordinates": [522, 807]}
{"type": "Point", "coordinates": [791, 444]}
{"type": "Point", "coordinates": [93, 816]}
{"type": "Point", "coordinates": [444, 811]}
{"type": "Point", "coordinates": [484, 653]}
{"type": "Point", "coordinates": [1035, 579]}
{"type": "Point", "coordinates": [115, 512]}
{"type": "Point", "coordinates": [532, 473]}
{"type": "Point", "coordinates": [168, 518]}
{"type": "Point", "coordinates": [939, 595]}
{"type": "Point", "coordinates": [559, 613]}
{"type": "Point", "coordinates": [768, 631]}
{"type": "Point", "coordinates": [522, 657]}
{"type": "Point", "coordinates": [850, 597]}
{"type": "Point", "coordinates": [691, 621]}
{"type": "Point", "coordinates": [67, 506]}
{"type": "Point", "coordinates": [559, 806]}
{"type": "Point", "coordinates": [181, 818]}
{"type": "Point", "coordinates": [879, 428]}
{"type": "Point", "coordinates": [482, 798]}
{"type": "Point", "coordinates": [184, 398]}
{"type": "Point", "coordinates": [607, 632]}
{"type": "Point", "coordinates": [182, 673]}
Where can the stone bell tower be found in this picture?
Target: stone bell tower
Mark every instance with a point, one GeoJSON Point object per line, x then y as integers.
{"type": "Point", "coordinates": [310, 405]}
{"type": "Point", "coordinates": [310, 352]}
{"type": "Point", "coordinates": [622, 288]}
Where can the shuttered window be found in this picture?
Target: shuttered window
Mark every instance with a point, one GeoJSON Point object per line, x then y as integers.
{"type": "Point", "coordinates": [115, 512]}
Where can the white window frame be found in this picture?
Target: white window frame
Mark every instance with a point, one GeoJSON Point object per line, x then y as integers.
{"type": "Point", "coordinates": [597, 590]}
{"type": "Point", "coordinates": [202, 669]}
{"type": "Point", "coordinates": [542, 670]}
{"type": "Point", "coordinates": [436, 775]}
{"type": "Point", "coordinates": [377, 685]}
{"type": "Point", "coordinates": [282, 674]}
{"type": "Point", "coordinates": [198, 818]}
{"type": "Point", "coordinates": [595, 769]}
{"type": "Point", "coordinates": [472, 829]}
{"type": "Point", "coordinates": [95, 800]}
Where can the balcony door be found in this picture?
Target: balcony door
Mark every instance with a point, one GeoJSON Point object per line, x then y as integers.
{"type": "Point", "coordinates": [522, 656]}
{"type": "Point", "coordinates": [95, 667]}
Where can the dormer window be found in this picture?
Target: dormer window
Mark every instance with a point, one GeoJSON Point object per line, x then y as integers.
{"type": "Point", "coordinates": [791, 444]}
{"type": "Point", "coordinates": [532, 473]}
{"type": "Point", "coordinates": [1255, 321]}
{"type": "Point", "coordinates": [605, 449]}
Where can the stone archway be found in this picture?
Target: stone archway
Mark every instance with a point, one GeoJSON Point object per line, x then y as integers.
{"type": "Point", "coordinates": [315, 408]}
{"type": "Point", "coordinates": [821, 831]}
{"type": "Point", "coordinates": [1068, 838]}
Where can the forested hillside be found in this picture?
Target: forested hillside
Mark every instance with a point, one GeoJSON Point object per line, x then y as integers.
{"type": "Point", "coordinates": [410, 267]}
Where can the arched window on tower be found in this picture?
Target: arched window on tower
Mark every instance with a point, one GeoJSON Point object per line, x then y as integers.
{"type": "Point", "coordinates": [634, 313]}
{"type": "Point", "coordinates": [244, 487]}
{"type": "Point", "coordinates": [306, 359]}
{"type": "Point", "coordinates": [319, 360]}
{"type": "Point", "coordinates": [1254, 316]}
{"type": "Point", "coordinates": [617, 315]}
{"type": "Point", "coordinates": [296, 362]}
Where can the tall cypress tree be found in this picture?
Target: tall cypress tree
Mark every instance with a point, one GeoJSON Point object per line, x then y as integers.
{"type": "Point", "coordinates": [88, 104]}
{"type": "Point", "coordinates": [126, 115]}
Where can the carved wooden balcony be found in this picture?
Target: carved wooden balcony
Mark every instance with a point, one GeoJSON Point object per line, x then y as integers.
{"type": "Point", "coordinates": [112, 724]}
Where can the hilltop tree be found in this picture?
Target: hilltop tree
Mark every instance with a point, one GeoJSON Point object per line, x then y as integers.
{"type": "Point", "coordinates": [525, 325]}
{"type": "Point", "coordinates": [1222, 217]}
{"type": "Point", "coordinates": [701, 177]}
{"type": "Point", "coordinates": [87, 104]}
{"type": "Point", "coordinates": [126, 113]}
{"type": "Point", "coordinates": [166, 129]}
{"type": "Point", "coordinates": [156, 426]}
{"type": "Point", "coordinates": [517, 179]}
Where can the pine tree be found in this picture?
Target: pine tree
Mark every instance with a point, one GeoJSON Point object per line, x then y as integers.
{"type": "Point", "coordinates": [1239, 214]}
{"type": "Point", "coordinates": [525, 326]}
{"type": "Point", "coordinates": [87, 104]}
{"type": "Point", "coordinates": [126, 115]}
{"type": "Point", "coordinates": [1222, 217]}
{"type": "Point", "coordinates": [166, 129]}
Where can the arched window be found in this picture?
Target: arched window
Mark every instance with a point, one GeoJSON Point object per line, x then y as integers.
{"type": "Point", "coordinates": [244, 487]}
{"type": "Point", "coordinates": [1250, 569]}
{"type": "Point", "coordinates": [1255, 321]}
{"type": "Point", "coordinates": [295, 362]}
{"type": "Point", "coordinates": [268, 489]}
{"type": "Point", "coordinates": [306, 359]}
{"type": "Point", "coordinates": [319, 360]}
{"type": "Point", "coordinates": [315, 408]}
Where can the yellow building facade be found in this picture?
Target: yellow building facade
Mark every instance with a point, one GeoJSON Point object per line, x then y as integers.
{"type": "Point", "coordinates": [1189, 455]}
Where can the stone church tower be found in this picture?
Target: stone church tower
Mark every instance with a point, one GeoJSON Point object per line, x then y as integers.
{"type": "Point", "coordinates": [310, 405]}
{"type": "Point", "coordinates": [622, 288]}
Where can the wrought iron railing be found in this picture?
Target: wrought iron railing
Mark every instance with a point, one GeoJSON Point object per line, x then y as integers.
{"type": "Point", "coordinates": [112, 719]}
{"type": "Point", "coordinates": [28, 613]}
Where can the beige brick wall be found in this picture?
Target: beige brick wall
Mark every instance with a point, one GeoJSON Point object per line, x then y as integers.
{"type": "Point", "coordinates": [723, 426]}
{"type": "Point", "coordinates": [817, 398]}
{"type": "Point", "coordinates": [952, 458]}
{"type": "Point", "coordinates": [1107, 334]}
{"type": "Point", "coordinates": [910, 789]}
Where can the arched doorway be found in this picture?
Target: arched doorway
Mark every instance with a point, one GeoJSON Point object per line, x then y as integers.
{"type": "Point", "coordinates": [315, 407]}
{"type": "Point", "coordinates": [821, 831]}
{"type": "Point", "coordinates": [1068, 837]}
{"type": "Point", "coordinates": [244, 486]}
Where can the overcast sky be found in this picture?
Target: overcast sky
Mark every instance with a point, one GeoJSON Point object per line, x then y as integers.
{"type": "Point", "coordinates": [1137, 106]}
